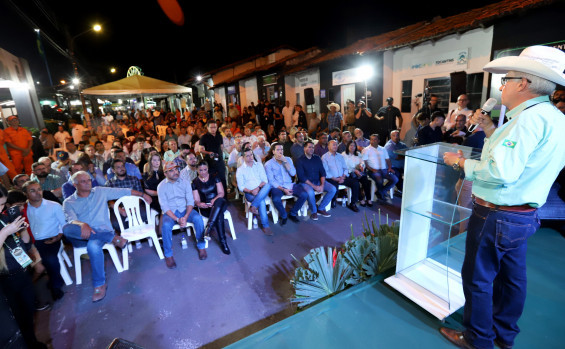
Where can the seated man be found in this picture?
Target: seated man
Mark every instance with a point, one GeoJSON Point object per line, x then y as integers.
{"type": "Point", "coordinates": [312, 178]}
{"type": "Point", "coordinates": [62, 164]}
{"type": "Point", "coordinates": [181, 159]}
{"type": "Point", "coordinates": [177, 203]}
{"type": "Point", "coordinates": [297, 149]}
{"type": "Point", "coordinates": [121, 179]}
{"type": "Point", "coordinates": [458, 133]}
{"type": "Point", "coordinates": [173, 151]}
{"type": "Point", "coordinates": [261, 149]}
{"type": "Point", "coordinates": [280, 171]}
{"type": "Point", "coordinates": [396, 160]}
{"type": "Point", "coordinates": [88, 224]}
{"type": "Point", "coordinates": [361, 141]}
{"type": "Point", "coordinates": [190, 172]}
{"type": "Point", "coordinates": [322, 147]}
{"type": "Point", "coordinates": [252, 181]}
{"type": "Point", "coordinates": [131, 169]}
{"type": "Point", "coordinates": [379, 168]}
{"type": "Point", "coordinates": [337, 174]}
{"type": "Point", "coordinates": [46, 220]}
{"type": "Point", "coordinates": [83, 164]}
{"type": "Point", "coordinates": [48, 181]}
{"type": "Point", "coordinates": [346, 137]}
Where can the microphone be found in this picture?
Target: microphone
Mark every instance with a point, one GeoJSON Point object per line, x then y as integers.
{"type": "Point", "coordinates": [487, 107]}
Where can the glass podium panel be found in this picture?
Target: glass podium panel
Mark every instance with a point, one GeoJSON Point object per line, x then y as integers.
{"type": "Point", "coordinates": [436, 206]}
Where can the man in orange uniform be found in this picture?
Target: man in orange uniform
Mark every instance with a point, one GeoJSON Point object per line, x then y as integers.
{"type": "Point", "coordinates": [18, 141]}
{"type": "Point", "coordinates": [4, 159]}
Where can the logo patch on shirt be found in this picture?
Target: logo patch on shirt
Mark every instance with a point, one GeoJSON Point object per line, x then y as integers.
{"type": "Point", "coordinates": [509, 144]}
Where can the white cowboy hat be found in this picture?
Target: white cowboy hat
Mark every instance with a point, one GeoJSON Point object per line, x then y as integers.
{"type": "Point", "coordinates": [543, 61]}
{"type": "Point", "coordinates": [333, 104]}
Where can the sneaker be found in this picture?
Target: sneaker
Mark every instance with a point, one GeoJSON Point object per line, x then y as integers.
{"type": "Point", "coordinates": [314, 216]}
{"type": "Point", "coordinates": [324, 213]}
{"type": "Point", "coordinates": [293, 218]}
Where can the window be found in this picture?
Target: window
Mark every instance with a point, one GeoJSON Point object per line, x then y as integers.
{"type": "Point", "coordinates": [406, 102]}
{"type": "Point", "coordinates": [440, 87]}
{"type": "Point", "coordinates": [475, 90]}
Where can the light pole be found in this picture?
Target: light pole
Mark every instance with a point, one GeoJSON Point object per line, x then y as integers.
{"type": "Point", "coordinates": [76, 80]}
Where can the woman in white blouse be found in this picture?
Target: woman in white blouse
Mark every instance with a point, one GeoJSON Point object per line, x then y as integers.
{"type": "Point", "coordinates": [356, 167]}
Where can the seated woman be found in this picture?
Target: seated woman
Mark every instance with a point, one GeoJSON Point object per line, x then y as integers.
{"type": "Point", "coordinates": [356, 167]}
{"type": "Point", "coordinates": [152, 176]}
{"type": "Point", "coordinates": [208, 195]}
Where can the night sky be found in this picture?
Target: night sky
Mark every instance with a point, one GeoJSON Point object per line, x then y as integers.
{"type": "Point", "coordinates": [214, 33]}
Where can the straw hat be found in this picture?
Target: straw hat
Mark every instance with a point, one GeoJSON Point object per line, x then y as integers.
{"type": "Point", "coordinates": [333, 104]}
{"type": "Point", "coordinates": [543, 61]}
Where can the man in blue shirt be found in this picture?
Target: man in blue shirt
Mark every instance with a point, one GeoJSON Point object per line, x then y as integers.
{"type": "Point", "coordinates": [396, 160]}
{"type": "Point", "coordinates": [337, 174]}
{"type": "Point", "coordinates": [88, 224]}
{"type": "Point", "coordinates": [312, 177]}
{"type": "Point", "coordinates": [46, 220]}
{"type": "Point", "coordinates": [280, 172]}
{"type": "Point", "coordinates": [519, 163]}
{"type": "Point", "coordinates": [177, 203]}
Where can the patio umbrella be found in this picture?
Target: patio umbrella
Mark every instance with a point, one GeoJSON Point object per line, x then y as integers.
{"type": "Point", "coordinates": [136, 85]}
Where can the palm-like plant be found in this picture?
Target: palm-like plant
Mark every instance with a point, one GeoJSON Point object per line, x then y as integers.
{"type": "Point", "coordinates": [322, 275]}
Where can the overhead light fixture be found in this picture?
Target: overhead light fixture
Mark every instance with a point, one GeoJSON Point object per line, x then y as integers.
{"type": "Point", "coordinates": [365, 72]}
{"type": "Point", "coordinates": [76, 81]}
{"type": "Point", "coordinates": [97, 27]}
{"type": "Point", "coordinates": [199, 78]}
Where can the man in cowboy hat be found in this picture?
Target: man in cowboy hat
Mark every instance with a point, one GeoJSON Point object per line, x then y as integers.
{"type": "Point", "coordinates": [335, 119]}
{"type": "Point", "coordinates": [518, 165]}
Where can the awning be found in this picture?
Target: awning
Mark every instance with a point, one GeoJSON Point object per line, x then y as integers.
{"type": "Point", "coordinates": [136, 85]}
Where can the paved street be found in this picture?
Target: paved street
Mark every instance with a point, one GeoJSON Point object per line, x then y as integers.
{"type": "Point", "coordinates": [209, 303]}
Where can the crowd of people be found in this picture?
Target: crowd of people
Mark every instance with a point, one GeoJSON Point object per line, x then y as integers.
{"type": "Point", "coordinates": [185, 164]}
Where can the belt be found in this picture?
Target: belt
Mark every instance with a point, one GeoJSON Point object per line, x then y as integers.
{"type": "Point", "coordinates": [518, 208]}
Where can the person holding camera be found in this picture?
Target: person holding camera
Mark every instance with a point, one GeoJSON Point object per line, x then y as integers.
{"type": "Point", "coordinates": [15, 281]}
{"type": "Point", "coordinates": [363, 117]}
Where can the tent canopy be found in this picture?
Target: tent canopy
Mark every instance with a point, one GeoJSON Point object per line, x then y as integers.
{"type": "Point", "coordinates": [136, 85]}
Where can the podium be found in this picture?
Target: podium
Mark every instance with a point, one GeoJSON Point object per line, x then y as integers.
{"type": "Point", "coordinates": [434, 213]}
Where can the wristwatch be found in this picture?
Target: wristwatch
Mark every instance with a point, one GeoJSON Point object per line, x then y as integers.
{"type": "Point", "coordinates": [456, 166]}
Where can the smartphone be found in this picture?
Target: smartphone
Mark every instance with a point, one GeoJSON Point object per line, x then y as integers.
{"type": "Point", "coordinates": [13, 213]}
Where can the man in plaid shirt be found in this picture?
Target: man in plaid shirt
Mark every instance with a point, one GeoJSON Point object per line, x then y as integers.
{"type": "Point", "coordinates": [121, 178]}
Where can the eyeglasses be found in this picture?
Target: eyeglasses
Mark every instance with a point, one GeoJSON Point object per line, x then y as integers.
{"type": "Point", "coordinates": [505, 79]}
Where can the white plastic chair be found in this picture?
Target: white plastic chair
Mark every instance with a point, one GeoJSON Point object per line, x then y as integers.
{"type": "Point", "coordinates": [79, 251]}
{"type": "Point", "coordinates": [64, 259]}
{"type": "Point", "coordinates": [137, 229]}
{"type": "Point", "coordinates": [249, 215]}
{"type": "Point", "coordinates": [374, 189]}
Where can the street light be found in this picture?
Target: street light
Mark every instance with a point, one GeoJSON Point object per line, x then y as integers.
{"type": "Point", "coordinates": [365, 72]}
{"type": "Point", "coordinates": [71, 43]}
{"type": "Point", "coordinates": [112, 70]}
